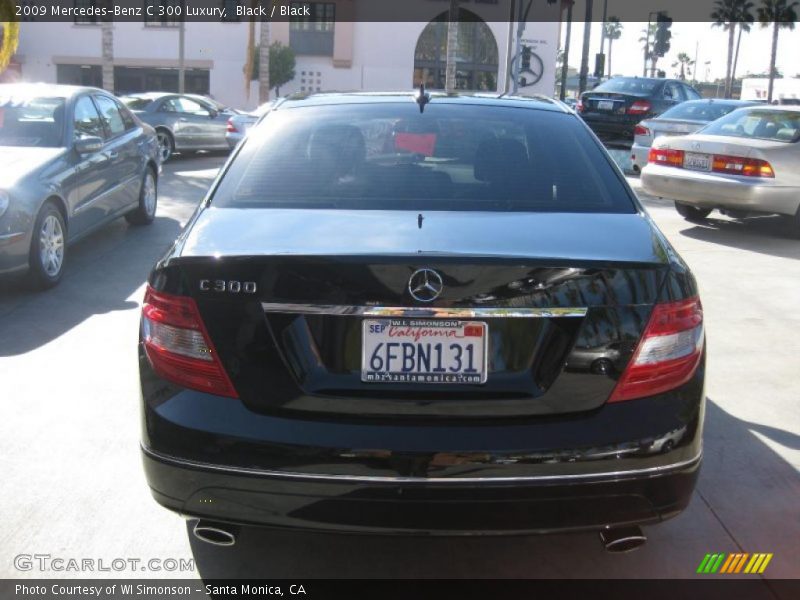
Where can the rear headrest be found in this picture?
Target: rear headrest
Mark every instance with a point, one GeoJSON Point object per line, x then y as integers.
{"type": "Point", "coordinates": [344, 143]}
{"type": "Point", "coordinates": [787, 134]}
{"type": "Point", "coordinates": [497, 159]}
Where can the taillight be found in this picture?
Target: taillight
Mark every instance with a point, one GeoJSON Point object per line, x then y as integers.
{"type": "Point", "coordinates": [639, 107]}
{"type": "Point", "coordinates": [230, 127]}
{"type": "Point", "coordinates": [178, 346]}
{"type": "Point", "coordinates": [736, 165]}
{"type": "Point", "coordinates": [668, 353]}
{"type": "Point", "coordinates": [665, 156]}
{"type": "Point", "coordinates": [640, 130]}
{"type": "Point", "coordinates": [579, 105]}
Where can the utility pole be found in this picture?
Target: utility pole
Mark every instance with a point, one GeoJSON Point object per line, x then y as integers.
{"type": "Point", "coordinates": [565, 64]}
{"type": "Point", "coordinates": [587, 33]}
{"type": "Point", "coordinates": [603, 30]}
{"type": "Point", "coordinates": [182, 56]}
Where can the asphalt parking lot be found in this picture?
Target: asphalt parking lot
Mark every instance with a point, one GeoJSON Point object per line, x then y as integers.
{"type": "Point", "coordinates": [73, 486]}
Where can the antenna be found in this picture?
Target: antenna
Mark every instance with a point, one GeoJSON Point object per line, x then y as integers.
{"type": "Point", "coordinates": [422, 97]}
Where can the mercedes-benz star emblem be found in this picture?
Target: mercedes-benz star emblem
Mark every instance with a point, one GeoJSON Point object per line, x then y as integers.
{"type": "Point", "coordinates": [425, 285]}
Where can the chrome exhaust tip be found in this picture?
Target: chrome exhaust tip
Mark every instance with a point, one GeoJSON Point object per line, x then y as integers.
{"type": "Point", "coordinates": [216, 534]}
{"type": "Point", "coordinates": [622, 539]}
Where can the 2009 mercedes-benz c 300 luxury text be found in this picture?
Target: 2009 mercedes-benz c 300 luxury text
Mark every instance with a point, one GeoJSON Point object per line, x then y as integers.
{"type": "Point", "coordinates": [421, 314]}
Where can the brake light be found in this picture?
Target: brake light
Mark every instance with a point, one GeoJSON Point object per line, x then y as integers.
{"type": "Point", "coordinates": [639, 107]}
{"type": "Point", "coordinates": [640, 130]}
{"type": "Point", "coordinates": [230, 127]}
{"type": "Point", "coordinates": [665, 156]}
{"type": "Point", "coordinates": [177, 344]}
{"type": "Point", "coordinates": [668, 353]}
{"type": "Point", "coordinates": [736, 165]}
{"type": "Point", "coordinates": [579, 105]}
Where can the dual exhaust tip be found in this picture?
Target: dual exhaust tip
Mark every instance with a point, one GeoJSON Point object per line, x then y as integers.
{"type": "Point", "coordinates": [614, 539]}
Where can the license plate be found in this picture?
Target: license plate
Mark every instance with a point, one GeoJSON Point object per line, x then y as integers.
{"type": "Point", "coordinates": [424, 351]}
{"type": "Point", "coordinates": [698, 162]}
{"type": "Point", "coordinates": [605, 105]}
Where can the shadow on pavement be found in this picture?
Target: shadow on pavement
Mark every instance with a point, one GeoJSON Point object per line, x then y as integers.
{"type": "Point", "coordinates": [746, 501]}
{"type": "Point", "coordinates": [765, 235]}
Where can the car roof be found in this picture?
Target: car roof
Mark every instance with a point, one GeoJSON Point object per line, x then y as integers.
{"type": "Point", "coordinates": [722, 101]}
{"type": "Point", "coordinates": [149, 95]}
{"type": "Point", "coordinates": [774, 107]}
{"type": "Point", "coordinates": [44, 89]}
{"type": "Point", "coordinates": [540, 102]}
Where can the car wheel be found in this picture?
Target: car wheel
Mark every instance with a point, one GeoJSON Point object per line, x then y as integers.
{"type": "Point", "coordinates": [148, 199]}
{"type": "Point", "coordinates": [48, 247]}
{"type": "Point", "coordinates": [793, 225]}
{"type": "Point", "coordinates": [691, 213]}
{"type": "Point", "coordinates": [166, 144]}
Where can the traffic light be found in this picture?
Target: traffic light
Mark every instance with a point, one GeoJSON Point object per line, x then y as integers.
{"type": "Point", "coordinates": [663, 34]}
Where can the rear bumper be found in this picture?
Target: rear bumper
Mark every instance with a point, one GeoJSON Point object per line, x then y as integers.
{"type": "Point", "coordinates": [417, 505]}
{"type": "Point", "coordinates": [614, 125]}
{"type": "Point", "coordinates": [639, 156]}
{"type": "Point", "coordinates": [709, 190]}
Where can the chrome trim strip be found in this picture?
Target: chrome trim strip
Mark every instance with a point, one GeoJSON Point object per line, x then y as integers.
{"type": "Point", "coordinates": [420, 311]}
{"type": "Point", "coordinates": [7, 238]}
{"type": "Point", "coordinates": [649, 471]}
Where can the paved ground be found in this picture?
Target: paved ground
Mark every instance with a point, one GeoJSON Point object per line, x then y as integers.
{"type": "Point", "coordinates": [72, 484]}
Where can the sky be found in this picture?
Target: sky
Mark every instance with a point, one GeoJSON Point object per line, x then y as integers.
{"type": "Point", "coordinates": [707, 42]}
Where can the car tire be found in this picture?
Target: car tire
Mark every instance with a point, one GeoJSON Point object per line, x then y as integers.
{"type": "Point", "coordinates": [148, 201]}
{"type": "Point", "coordinates": [692, 213]}
{"type": "Point", "coordinates": [793, 225]}
{"type": "Point", "coordinates": [166, 145]}
{"type": "Point", "coordinates": [48, 247]}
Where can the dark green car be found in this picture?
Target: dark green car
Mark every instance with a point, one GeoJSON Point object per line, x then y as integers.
{"type": "Point", "coordinates": [74, 158]}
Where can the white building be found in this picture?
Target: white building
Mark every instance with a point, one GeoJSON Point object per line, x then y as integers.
{"type": "Point", "coordinates": [334, 51]}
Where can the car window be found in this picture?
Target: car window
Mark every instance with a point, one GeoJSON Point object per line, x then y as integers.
{"type": "Point", "coordinates": [37, 121]}
{"type": "Point", "coordinates": [674, 91]}
{"type": "Point", "coordinates": [631, 85]}
{"type": "Point", "coordinates": [390, 156]}
{"type": "Point", "coordinates": [127, 117]}
{"type": "Point", "coordinates": [87, 120]}
{"type": "Point", "coordinates": [691, 93]}
{"type": "Point", "coordinates": [701, 110]}
{"type": "Point", "coordinates": [189, 106]}
{"type": "Point", "coordinates": [136, 103]}
{"type": "Point", "coordinates": [775, 125]}
{"type": "Point", "coordinates": [111, 115]}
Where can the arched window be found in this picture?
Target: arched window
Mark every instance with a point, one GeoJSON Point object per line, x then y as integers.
{"type": "Point", "coordinates": [476, 55]}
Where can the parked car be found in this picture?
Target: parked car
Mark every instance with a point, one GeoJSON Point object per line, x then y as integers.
{"type": "Point", "coordinates": [74, 158]}
{"type": "Point", "coordinates": [239, 124]}
{"type": "Point", "coordinates": [367, 328]}
{"type": "Point", "coordinates": [682, 119]}
{"type": "Point", "coordinates": [182, 122]}
{"type": "Point", "coordinates": [614, 107]}
{"type": "Point", "coordinates": [745, 162]}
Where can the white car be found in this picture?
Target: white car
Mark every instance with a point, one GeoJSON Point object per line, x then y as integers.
{"type": "Point", "coordinates": [683, 119]}
{"type": "Point", "coordinates": [746, 162]}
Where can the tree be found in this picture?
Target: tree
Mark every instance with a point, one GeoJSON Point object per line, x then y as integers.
{"type": "Point", "coordinates": [107, 50]}
{"type": "Point", "coordinates": [745, 22]}
{"type": "Point", "coordinates": [9, 32]}
{"type": "Point", "coordinates": [452, 47]}
{"type": "Point", "coordinates": [587, 31]}
{"type": "Point", "coordinates": [281, 65]}
{"type": "Point", "coordinates": [728, 14]}
{"type": "Point", "coordinates": [782, 14]}
{"type": "Point", "coordinates": [613, 29]}
{"type": "Point", "coordinates": [685, 62]}
{"type": "Point", "coordinates": [263, 62]}
{"type": "Point", "coordinates": [648, 41]}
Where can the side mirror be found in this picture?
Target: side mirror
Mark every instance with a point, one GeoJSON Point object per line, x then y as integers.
{"type": "Point", "coordinates": [89, 144]}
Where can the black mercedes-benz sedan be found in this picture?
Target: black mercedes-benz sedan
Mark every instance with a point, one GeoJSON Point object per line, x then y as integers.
{"type": "Point", "coordinates": [424, 313]}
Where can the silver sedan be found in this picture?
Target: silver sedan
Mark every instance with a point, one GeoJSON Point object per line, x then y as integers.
{"type": "Point", "coordinates": [182, 122]}
{"type": "Point", "coordinates": [74, 159]}
{"type": "Point", "coordinates": [747, 162]}
{"type": "Point", "coordinates": [239, 124]}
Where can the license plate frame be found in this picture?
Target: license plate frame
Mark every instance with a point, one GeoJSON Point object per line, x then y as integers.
{"type": "Point", "coordinates": [697, 161]}
{"type": "Point", "coordinates": [410, 331]}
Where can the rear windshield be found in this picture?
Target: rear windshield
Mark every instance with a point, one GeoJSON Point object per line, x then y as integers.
{"type": "Point", "coordinates": [136, 103]}
{"type": "Point", "coordinates": [774, 125]}
{"type": "Point", "coordinates": [37, 122]}
{"type": "Point", "coordinates": [628, 85]}
{"type": "Point", "coordinates": [451, 157]}
{"type": "Point", "coordinates": [699, 111]}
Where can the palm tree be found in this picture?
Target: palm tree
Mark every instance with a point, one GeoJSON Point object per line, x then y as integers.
{"type": "Point", "coordinates": [263, 64]}
{"type": "Point", "coordinates": [745, 21]}
{"type": "Point", "coordinates": [452, 47]}
{"type": "Point", "coordinates": [728, 14]}
{"type": "Point", "coordinates": [10, 38]}
{"type": "Point", "coordinates": [781, 13]}
{"type": "Point", "coordinates": [648, 41]}
{"type": "Point", "coordinates": [587, 30]}
{"type": "Point", "coordinates": [613, 29]}
{"type": "Point", "coordinates": [107, 50]}
{"type": "Point", "coordinates": [685, 62]}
